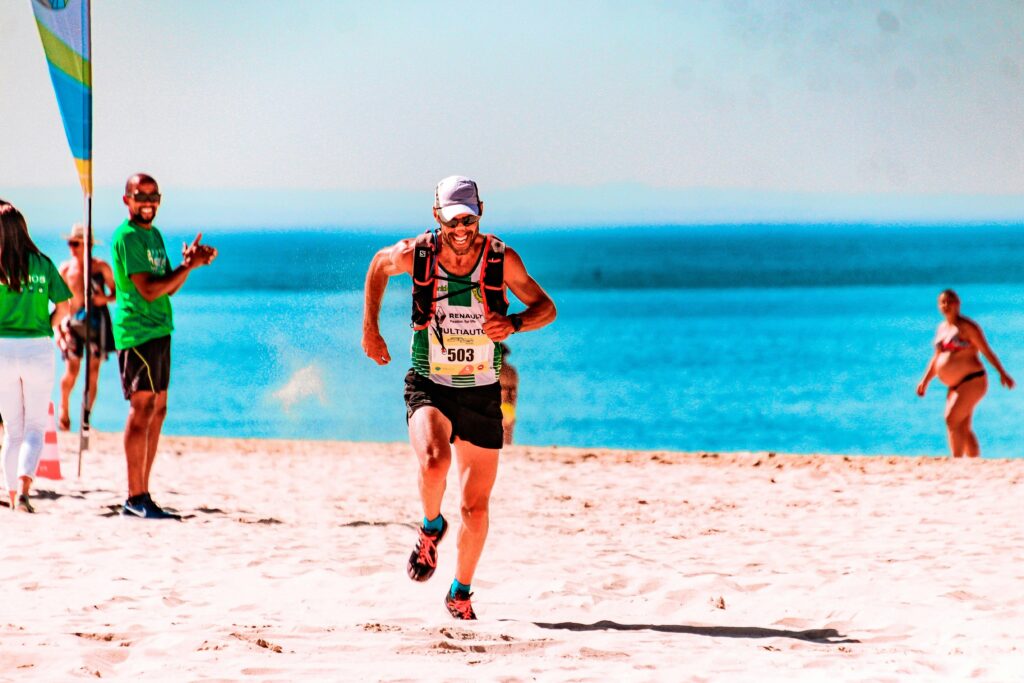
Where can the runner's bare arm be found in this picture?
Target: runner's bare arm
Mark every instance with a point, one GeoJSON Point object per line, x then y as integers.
{"type": "Point", "coordinates": [540, 309]}
{"type": "Point", "coordinates": [386, 263]}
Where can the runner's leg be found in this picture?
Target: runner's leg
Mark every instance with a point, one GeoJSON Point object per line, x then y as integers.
{"type": "Point", "coordinates": [478, 469]}
{"type": "Point", "coordinates": [429, 432]}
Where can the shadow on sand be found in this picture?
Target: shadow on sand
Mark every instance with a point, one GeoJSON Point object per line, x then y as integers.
{"type": "Point", "coordinates": [361, 522]}
{"type": "Point", "coordinates": [46, 494]}
{"type": "Point", "coordinates": [821, 635]}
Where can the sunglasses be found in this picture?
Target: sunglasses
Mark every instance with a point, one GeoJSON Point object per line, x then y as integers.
{"type": "Point", "coordinates": [465, 220]}
{"type": "Point", "coordinates": [143, 197]}
{"type": "Point", "coordinates": [74, 243]}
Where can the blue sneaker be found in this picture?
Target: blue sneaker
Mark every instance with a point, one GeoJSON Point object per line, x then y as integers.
{"type": "Point", "coordinates": [143, 506]}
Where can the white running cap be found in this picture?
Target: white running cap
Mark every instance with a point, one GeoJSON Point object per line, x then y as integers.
{"type": "Point", "coordinates": [456, 195]}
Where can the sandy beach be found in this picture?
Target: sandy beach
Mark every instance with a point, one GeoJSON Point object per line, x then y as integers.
{"type": "Point", "coordinates": [601, 565]}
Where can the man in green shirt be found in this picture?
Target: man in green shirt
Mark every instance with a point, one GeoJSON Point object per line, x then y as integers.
{"type": "Point", "coordinates": [143, 324]}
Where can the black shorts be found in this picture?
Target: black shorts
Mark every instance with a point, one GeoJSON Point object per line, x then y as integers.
{"type": "Point", "coordinates": [99, 331]}
{"type": "Point", "coordinates": [475, 412]}
{"type": "Point", "coordinates": [146, 367]}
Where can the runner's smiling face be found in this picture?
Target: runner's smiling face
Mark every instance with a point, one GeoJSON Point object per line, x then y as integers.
{"type": "Point", "coordinates": [461, 238]}
{"type": "Point", "coordinates": [143, 200]}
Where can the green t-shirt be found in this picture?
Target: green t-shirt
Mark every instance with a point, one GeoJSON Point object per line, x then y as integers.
{"type": "Point", "coordinates": [27, 313]}
{"type": "Point", "coordinates": [135, 320]}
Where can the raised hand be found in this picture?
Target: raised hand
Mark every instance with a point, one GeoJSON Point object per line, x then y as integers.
{"type": "Point", "coordinates": [196, 254]}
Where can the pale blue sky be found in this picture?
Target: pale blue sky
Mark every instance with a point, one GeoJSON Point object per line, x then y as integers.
{"type": "Point", "coordinates": [708, 110]}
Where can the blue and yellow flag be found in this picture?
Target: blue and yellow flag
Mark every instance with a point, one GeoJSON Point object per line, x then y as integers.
{"type": "Point", "coordinates": [64, 29]}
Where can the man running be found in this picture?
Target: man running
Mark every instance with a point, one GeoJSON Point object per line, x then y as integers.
{"type": "Point", "coordinates": [142, 332]}
{"type": "Point", "coordinates": [452, 393]}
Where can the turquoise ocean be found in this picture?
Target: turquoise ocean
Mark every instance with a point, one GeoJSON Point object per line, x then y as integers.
{"type": "Point", "coordinates": [789, 338]}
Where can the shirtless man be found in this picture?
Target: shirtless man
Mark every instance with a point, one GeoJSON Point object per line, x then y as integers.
{"type": "Point", "coordinates": [958, 340]}
{"type": "Point", "coordinates": [101, 336]}
{"type": "Point", "coordinates": [452, 394]}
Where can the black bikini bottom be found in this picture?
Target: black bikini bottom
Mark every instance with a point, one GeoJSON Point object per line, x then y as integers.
{"type": "Point", "coordinates": [967, 378]}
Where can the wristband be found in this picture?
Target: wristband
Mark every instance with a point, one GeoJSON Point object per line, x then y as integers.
{"type": "Point", "coordinates": [517, 322]}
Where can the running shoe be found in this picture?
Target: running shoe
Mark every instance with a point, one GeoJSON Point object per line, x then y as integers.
{"type": "Point", "coordinates": [164, 512]}
{"type": "Point", "coordinates": [144, 507]}
{"type": "Point", "coordinates": [25, 504]}
{"type": "Point", "coordinates": [423, 560]}
{"type": "Point", "coordinates": [459, 606]}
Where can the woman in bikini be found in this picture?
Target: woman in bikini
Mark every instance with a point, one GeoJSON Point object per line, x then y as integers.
{"type": "Point", "coordinates": [957, 343]}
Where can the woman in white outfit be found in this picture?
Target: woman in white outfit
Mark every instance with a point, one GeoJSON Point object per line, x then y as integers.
{"type": "Point", "coordinates": [28, 283]}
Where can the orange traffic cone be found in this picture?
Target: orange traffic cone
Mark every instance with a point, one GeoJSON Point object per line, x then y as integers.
{"type": "Point", "coordinates": [49, 461]}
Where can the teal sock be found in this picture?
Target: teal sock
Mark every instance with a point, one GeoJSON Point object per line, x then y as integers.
{"type": "Point", "coordinates": [459, 587]}
{"type": "Point", "coordinates": [435, 524]}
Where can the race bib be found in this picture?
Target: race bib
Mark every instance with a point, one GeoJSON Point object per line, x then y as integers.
{"type": "Point", "coordinates": [461, 353]}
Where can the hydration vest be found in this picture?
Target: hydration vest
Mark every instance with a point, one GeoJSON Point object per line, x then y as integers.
{"type": "Point", "coordinates": [425, 277]}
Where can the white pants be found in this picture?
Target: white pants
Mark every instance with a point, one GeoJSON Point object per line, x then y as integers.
{"type": "Point", "coordinates": [26, 384]}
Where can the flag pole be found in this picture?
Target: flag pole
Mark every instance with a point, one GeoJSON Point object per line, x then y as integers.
{"type": "Point", "coordinates": [83, 435]}
{"type": "Point", "coordinates": [84, 425]}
